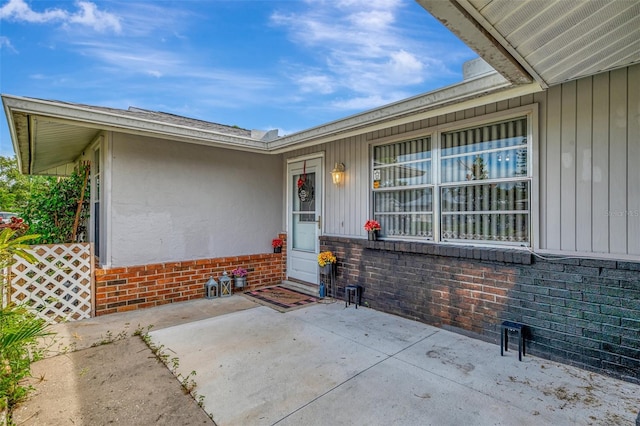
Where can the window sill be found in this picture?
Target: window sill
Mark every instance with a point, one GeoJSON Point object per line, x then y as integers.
{"type": "Point", "coordinates": [491, 254]}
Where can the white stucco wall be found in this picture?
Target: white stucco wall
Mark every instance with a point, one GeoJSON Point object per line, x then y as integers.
{"type": "Point", "coordinates": [175, 201]}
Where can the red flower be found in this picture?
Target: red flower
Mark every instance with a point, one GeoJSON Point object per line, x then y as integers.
{"type": "Point", "coordinates": [372, 225]}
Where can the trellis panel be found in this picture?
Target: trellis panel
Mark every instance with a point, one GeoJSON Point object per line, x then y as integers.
{"type": "Point", "coordinates": [59, 286]}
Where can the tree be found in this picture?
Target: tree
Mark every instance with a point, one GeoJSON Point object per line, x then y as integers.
{"type": "Point", "coordinates": [14, 186]}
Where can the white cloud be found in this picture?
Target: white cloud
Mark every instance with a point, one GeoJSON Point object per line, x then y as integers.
{"type": "Point", "coordinates": [315, 83]}
{"type": "Point", "coordinates": [19, 10]}
{"type": "Point", "coordinates": [88, 15]}
{"type": "Point", "coordinates": [140, 19]}
{"type": "Point", "coordinates": [132, 58]}
{"type": "Point", "coordinates": [361, 48]}
{"type": "Point", "coordinates": [372, 20]}
{"type": "Point", "coordinates": [5, 43]}
{"type": "Point", "coordinates": [368, 102]}
{"type": "Point", "coordinates": [122, 61]}
{"type": "Point", "coordinates": [405, 66]}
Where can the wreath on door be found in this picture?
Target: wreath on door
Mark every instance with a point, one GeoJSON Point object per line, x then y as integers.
{"type": "Point", "coordinates": [306, 191]}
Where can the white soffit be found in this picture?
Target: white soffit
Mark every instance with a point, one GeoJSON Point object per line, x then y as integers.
{"type": "Point", "coordinates": [555, 40]}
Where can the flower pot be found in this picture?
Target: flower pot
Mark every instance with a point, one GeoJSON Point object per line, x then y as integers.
{"type": "Point", "coordinates": [326, 269]}
{"type": "Point", "coordinates": [373, 235]}
{"type": "Point", "coordinates": [277, 249]}
{"type": "Point", "coordinates": [240, 282]}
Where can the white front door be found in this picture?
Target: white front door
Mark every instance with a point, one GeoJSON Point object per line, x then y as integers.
{"type": "Point", "coordinates": [304, 207]}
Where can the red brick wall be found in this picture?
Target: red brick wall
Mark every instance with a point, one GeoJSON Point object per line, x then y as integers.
{"type": "Point", "coordinates": [144, 286]}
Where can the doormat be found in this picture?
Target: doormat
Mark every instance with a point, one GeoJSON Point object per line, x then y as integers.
{"type": "Point", "coordinates": [280, 298]}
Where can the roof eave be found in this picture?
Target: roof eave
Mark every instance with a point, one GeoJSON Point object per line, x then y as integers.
{"type": "Point", "coordinates": [111, 121]}
{"type": "Point", "coordinates": [433, 103]}
{"type": "Point", "coordinates": [463, 20]}
{"type": "Point", "coordinates": [14, 137]}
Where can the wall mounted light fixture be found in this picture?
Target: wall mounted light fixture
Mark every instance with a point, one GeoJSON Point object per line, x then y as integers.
{"type": "Point", "coordinates": [337, 174]}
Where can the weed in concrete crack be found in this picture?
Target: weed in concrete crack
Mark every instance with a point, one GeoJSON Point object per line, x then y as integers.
{"type": "Point", "coordinates": [187, 382]}
{"type": "Point", "coordinates": [142, 331]}
{"type": "Point", "coordinates": [110, 338]}
{"type": "Point", "coordinates": [175, 363]}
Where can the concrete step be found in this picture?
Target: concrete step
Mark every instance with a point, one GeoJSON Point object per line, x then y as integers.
{"type": "Point", "coordinates": [311, 290]}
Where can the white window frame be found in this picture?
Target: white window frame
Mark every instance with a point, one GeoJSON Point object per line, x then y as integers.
{"type": "Point", "coordinates": [430, 185]}
{"type": "Point", "coordinates": [531, 113]}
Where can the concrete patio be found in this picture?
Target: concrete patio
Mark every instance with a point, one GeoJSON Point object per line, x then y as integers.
{"type": "Point", "coordinates": [325, 364]}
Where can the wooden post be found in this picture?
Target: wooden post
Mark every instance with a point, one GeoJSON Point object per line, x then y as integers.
{"type": "Point", "coordinates": [87, 168]}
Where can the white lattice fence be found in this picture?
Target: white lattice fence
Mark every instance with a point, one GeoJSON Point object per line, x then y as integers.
{"type": "Point", "coordinates": [58, 287]}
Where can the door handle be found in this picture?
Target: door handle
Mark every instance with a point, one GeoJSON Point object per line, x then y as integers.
{"type": "Point", "coordinates": [319, 222]}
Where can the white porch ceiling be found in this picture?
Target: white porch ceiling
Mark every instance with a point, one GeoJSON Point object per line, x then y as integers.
{"type": "Point", "coordinates": [59, 145]}
{"type": "Point", "coordinates": [553, 40]}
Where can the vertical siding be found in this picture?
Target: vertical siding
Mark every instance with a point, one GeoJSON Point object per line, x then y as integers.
{"type": "Point", "coordinates": [600, 160]}
{"type": "Point", "coordinates": [345, 205]}
{"type": "Point", "coordinates": [542, 174]}
{"type": "Point", "coordinates": [568, 167]}
{"type": "Point", "coordinates": [618, 162]}
{"type": "Point", "coordinates": [551, 192]}
{"type": "Point", "coordinates": [588, 151]}
{"type": "Point", "coordinates": [584, 152]}
{"type": "Point", "coordinates": [633, 158]}
{"type": "Point", "coordinates": [589, 192]}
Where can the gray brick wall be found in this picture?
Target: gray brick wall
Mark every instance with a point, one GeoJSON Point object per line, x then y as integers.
{"type": "Point", "coordinates": [583, 312]}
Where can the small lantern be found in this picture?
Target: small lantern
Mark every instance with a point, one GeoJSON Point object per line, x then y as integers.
{"type": "Point", "coordinates": [337, 174]}
{"type": "Point", "coordinates": [225, 285]}
{"type": "Point", "coordinates": [211, 289]}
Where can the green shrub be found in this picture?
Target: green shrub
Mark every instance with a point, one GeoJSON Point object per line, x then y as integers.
{"type": "Point", "coordinates": [19, 329]}
{"type": "Point", "coordinates": [53, 206]}
{"type": "Point", "coordinates": [19, 333]}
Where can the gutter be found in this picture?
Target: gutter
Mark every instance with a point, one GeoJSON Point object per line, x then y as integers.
{"type": "Point", "coordinates": [104, 120]}
{"type": "Point", "coordinates": [469, 93]}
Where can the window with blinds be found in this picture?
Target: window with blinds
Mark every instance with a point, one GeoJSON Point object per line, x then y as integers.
{"type": "Point", "coordinates": [481, 178]}
{"type": "Point", "coordinates": [402, 188]}
{"type": "Point", "coordinates": [484, 193]}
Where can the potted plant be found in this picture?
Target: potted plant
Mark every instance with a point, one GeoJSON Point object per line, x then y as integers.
{"type": "Point", "coordinates": [326, 259]}
{"type": "Point", "coordinates": [239, 276]}
{"type": "Point", "coordinates": [276, 243]}
{"type": "Point", "coordinates": [372, 227]}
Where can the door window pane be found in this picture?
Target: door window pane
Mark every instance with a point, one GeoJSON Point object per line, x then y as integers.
{"type": "Point", "coordinates": [304, 212]}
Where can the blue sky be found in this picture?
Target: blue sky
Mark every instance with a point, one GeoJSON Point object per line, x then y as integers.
{"type": "Point", "coordinates": [259, 64]}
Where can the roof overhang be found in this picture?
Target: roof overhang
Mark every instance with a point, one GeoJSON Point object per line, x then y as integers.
{"type": "Point", "coordinates": [551, 41]}
{"type": "Point", "coordinates": [49, 136]}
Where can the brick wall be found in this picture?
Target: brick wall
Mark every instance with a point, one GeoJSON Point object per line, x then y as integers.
{"type": "Point", "coordinates": [584, 312]}
{"type": "Point", "coordinates": [135, 287]}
